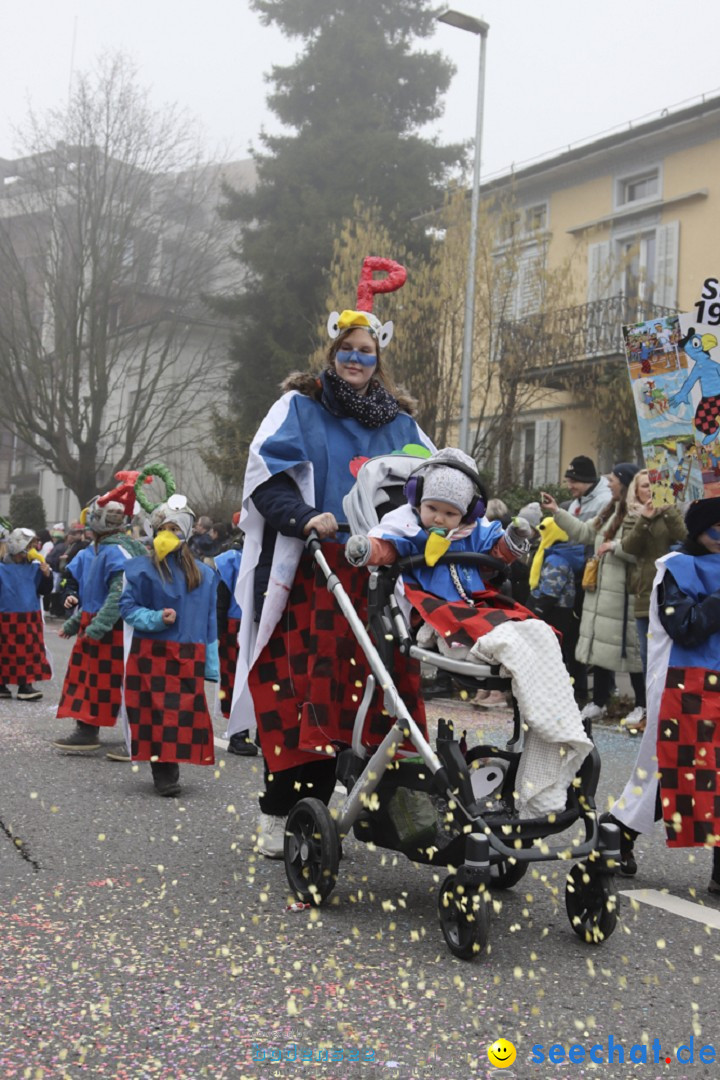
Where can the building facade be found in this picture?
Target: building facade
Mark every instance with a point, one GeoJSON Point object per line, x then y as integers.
{"type": "Point", "coordinates": [107, 344]}
{"type": "Point", "coordinates": [635, 218]}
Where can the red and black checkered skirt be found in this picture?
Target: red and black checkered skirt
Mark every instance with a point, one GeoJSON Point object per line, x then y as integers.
{"type": "Point", "coordinates": [460, 624]}
{"type": "Point", "coordinates": [22, 648]}
{"type": "Point", "coordinates": [309, 679]}
{"type": "Point", "coordinates": [92, 690]}
{"type": "Point", "coordinates": [228, 650]}
{"type": "Point", "coordinates": [165, 702]}
{"type": "Point", "coordinates": [688, 751]}
{"type": "Point", "coordinates": [707, 413]}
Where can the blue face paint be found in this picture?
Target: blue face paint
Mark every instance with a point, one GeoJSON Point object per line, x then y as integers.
{"type": "Point", "coordinates": [713, 533]}
{"type": "Point", "coordinates": [355, 357]}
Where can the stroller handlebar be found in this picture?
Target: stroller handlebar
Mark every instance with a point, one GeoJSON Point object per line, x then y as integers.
{"type": "Point", "coordinates": [312, 541]}
{"type": "Point", "coordinates": [460, 558]}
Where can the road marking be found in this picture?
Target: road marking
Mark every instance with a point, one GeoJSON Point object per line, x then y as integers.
{"type": "Point", "coordinates": [686, 909]}
{"type": "Point", "coordinates": [222, 744]}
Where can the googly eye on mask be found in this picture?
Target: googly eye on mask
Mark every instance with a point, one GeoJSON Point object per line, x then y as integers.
{"type": "Point", "coordinates": [344, 356]}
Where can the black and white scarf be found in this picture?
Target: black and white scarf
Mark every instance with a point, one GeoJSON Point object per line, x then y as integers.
{"type": "Point", "coordinates": [372, 409]}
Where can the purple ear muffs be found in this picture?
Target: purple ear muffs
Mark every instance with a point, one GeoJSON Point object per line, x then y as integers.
{"type": "Point", "coordinates": [414, 489]}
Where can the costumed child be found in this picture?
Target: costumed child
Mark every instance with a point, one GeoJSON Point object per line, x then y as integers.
{"type": "Point", "coordinates": [25, 577]}
{"type": "Point", "coordinates": [554, 572]}
{"type": "Point", "coordinates": [229, 613]}
{"type": "Point", "coordinates": [464, 618]}
{"type": "Point", "coordinates": [170, 601]}
{"type": "Point", "coordinates": [92, 690]}
{"type": "Point", "coordinates": [680, 748]}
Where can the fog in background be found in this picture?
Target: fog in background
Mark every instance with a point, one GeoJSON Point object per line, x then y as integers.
{"type": "Point", "coordinates": [557, 72]}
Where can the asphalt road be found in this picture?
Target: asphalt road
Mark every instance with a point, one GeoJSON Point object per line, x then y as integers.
{"type": "Point", "coordinates": [143, 937]}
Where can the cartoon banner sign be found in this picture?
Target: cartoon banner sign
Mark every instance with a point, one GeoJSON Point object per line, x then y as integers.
{"type": "Point", "coordinates": [674, 367]}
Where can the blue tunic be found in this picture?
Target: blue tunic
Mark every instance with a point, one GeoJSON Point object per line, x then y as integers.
{"type": "Point", "coordinates": [697, 577]}
{"type": "Point", "coordinates": [96, 573]}
{"type": "Point", "coordinates": [310, 433]}
{"type": "Point", "coordinates": [437, 579]}
{"type": "Point", "coordinates": [78, 565]}
{"type": "Point", "coordinates": [146, 594]}
{"type": "Point", "coordinates": [227, 564]}
{"type": "Point", "coordinates": [19, 586]}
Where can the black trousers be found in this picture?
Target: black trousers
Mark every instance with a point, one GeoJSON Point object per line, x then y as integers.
{"type": "Point", "coordinates": [603, 683]}
{"type": "Point", "coordinates": [316, 780]}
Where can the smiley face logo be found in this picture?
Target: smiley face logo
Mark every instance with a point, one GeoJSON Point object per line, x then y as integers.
{"type": "Point", "coordinates": [501, 1054]}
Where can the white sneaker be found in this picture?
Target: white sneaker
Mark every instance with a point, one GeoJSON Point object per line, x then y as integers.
{"type": "Point", "coordinates": [634, 718]}
{"type": "Point", "coordinates": [593, 712]}
{"type": "Point", "coordinates": [271, 836]}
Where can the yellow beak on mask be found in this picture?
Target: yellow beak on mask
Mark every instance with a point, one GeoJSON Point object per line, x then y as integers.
{"type": "Point", "coordinates": [34, 555]}
{"type": "Point", "coordinates": [436, 547]}
{"type": "Point", "coordinates": [165, 542]}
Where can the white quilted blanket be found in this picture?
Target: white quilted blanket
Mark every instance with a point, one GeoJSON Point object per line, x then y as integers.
{"type": "Point", "coordinates": [555, 741]}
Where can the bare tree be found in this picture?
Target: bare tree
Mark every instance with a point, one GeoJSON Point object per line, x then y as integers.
{"type": "Point", "coordinates": [515, 293]}
{"type": "Point", "coordinates": [108, 239]}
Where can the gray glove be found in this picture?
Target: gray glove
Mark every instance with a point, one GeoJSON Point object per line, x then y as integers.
{"type": "Point", "coordinates": [357, 550]}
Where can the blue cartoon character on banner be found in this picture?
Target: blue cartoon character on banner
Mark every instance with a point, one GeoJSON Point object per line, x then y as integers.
{"type": "Point", "coordinates": [705, 372]}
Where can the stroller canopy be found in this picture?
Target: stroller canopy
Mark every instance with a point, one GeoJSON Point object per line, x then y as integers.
{"type": "Point", "coordinates": [379, 488]}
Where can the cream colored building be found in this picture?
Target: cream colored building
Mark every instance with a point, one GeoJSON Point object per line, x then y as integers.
{"type": "Point", "coordinates": [637, 215]}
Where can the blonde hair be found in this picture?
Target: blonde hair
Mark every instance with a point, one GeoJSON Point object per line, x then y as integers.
{"type": "Point", "coordinates": [633, 501]}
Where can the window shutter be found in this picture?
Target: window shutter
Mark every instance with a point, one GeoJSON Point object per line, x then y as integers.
{"type": "Point", "coordinates": [547, 452]}
{"type": "Point", "coordinates": [599, 277]}
{"type": "Point", "coordinates": [666, 264]}
{"type": "Point", "coordinates": [528, 293]}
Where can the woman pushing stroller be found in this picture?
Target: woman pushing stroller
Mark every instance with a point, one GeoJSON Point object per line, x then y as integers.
{"type": "Point", "coordinates": [465, 618]}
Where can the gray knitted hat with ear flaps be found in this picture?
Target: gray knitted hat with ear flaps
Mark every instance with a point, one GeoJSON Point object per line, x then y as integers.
{"type": "Point", "coordinates": [443, 483]}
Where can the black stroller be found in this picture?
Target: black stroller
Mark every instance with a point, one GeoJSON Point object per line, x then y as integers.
{"type": "Point", "coordinates": [435, 806]}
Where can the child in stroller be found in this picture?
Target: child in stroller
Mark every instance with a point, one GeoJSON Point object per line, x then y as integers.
{"type": "Point", "coordinates": [462, 618]}
{"type": "Point", "coordinates": [434, 806]}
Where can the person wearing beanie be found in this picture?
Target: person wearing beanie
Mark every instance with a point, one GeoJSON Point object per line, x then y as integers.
{"type": "Point", "coordinates": [24, 577]}
{"type": "Point", "coordinates": [590, 492]}
{"type": "Point", "coordinates": [92, 690]}
{"type": "Point", "coordinates": [677, 772]}
{"type": "Point", "coordinates": [170, 601]}
{"type": "Point", "coordinates": [556, 567]}
{"type": "Point", "coordinates": [608, 636]}
{"type": "Point", "coordinates": [444, 515]}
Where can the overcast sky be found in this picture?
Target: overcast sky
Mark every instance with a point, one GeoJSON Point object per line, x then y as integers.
{"type": "Point", "coordinates": [557, 71]}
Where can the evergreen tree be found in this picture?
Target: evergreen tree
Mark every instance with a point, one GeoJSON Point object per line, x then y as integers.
{"type": "Point", "coordinates": [357, 98]}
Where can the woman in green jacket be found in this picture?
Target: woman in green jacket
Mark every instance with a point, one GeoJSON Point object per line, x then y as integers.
{"type": "Point", "coordinates": [608, 638]}
{"type": "Point", "coordinates": [654, 531]}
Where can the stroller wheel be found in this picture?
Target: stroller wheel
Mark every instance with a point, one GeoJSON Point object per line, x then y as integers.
{"type": "Point", "coordinates": [464, 914]}
{"type": "Point", "coordinates": [312, 851]}
{"type": "Point", "coordinates": [504, 875]}
{"type": "Point", "coordinates": [591, 904]}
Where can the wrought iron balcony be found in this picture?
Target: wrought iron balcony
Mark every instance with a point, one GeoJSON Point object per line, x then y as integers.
{"type": "Point", "coordinates": [556, 343]}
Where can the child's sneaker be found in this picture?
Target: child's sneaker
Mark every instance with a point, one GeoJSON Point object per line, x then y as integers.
{"type": "Point", "coordinates": [26, 692]}
{"type": "Point", "coordinates": [635, 721]}
{"type": "Point", "coordinates": [5, 691]}
{"type": "Point", "coordinates": [84, 738]}
{"type": "Point", "coordinates": [593, 712]}
{"type": "Point", "coordinates": [271, 836]}
{"type": "Point", "coordinates": [241, 744]}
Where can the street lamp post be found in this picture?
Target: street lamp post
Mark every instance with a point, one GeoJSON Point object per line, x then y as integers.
{"type": "Point", "coordinates": [479, 27]}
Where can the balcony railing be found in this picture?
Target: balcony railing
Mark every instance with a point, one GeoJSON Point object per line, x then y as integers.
{"type": "Point", "coordinates": [562, 339]}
